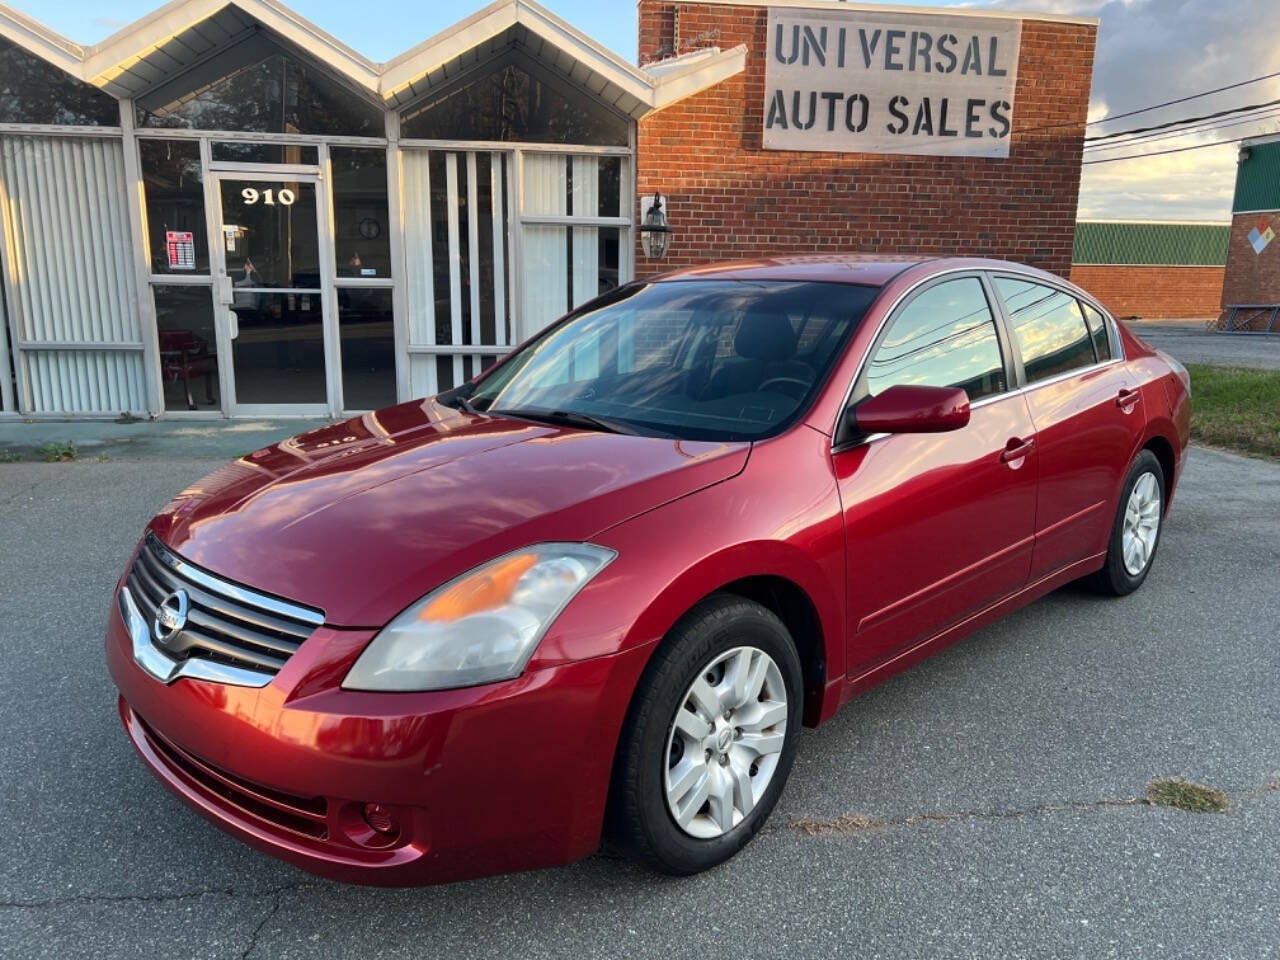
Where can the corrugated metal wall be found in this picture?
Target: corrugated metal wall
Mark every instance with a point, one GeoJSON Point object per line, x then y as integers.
{"type": "Point", "coordinates": [1258, 179]}
{"type": "Point", "coordinates": [70, 272]}
{"type": "Point", "coordinates": [1151, 244]}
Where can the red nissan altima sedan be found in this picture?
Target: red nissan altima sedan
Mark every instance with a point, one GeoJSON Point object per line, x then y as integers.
{"type": "Point", "coordinates": [594, 593]}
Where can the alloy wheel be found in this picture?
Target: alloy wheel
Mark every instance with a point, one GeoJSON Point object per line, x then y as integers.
{"type": "Point", "coordinates": [1141, 524]}
{"type": "Point", "coordinates": [725, 741]}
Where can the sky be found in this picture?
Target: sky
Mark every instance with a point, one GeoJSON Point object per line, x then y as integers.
{"type": "Point", "coordinates": [1149, 51]}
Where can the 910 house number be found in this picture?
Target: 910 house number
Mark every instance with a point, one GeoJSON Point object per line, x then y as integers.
{"type": "Point", "coordinates": [270, 198]}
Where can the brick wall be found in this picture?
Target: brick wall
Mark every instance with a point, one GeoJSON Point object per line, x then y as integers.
{"type": "Point", "coordinates": [1153, 291]}
{"type": "Point", "coordinates": [732, 199]}
{"type": "Point", "coordinates": [1251, 277]}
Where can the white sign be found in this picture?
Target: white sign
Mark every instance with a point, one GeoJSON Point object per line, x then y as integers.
{"type": "Point", "coordinates": [866, 82]}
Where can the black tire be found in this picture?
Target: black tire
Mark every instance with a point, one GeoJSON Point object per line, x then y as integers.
{"type": "Point", "coordinates": [640, 823]}
{"type": "Point", "coordinates": [1114, 579]}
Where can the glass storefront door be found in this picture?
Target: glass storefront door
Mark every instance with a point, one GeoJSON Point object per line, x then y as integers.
{"type": "Point", "coordinates": [271, 284]}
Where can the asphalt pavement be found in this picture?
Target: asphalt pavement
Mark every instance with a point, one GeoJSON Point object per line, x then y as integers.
{"type": "Point", "coordinates": [1196, 345]}
{"type": "Point", "coordinates": [995, 783]}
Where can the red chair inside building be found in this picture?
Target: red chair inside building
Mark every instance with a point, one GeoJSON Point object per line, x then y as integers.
{"type": "Point", "coordinates": [185, 356]}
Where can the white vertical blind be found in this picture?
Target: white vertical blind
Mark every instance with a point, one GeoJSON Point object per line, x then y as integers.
{"type": "Point", "coordinates": [545, 191]}
{"type": "Point", "coordinates": [586, 240]}
{"type": "Point", "coordinates": [436, 365]}
{"type": "Point", "coordinates": [70, 272]}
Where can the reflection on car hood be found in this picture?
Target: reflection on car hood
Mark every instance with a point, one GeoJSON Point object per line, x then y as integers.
{"type": "Point", "coordinates": [362, 518]}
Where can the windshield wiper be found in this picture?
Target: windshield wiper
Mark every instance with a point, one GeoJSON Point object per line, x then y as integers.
{"type": "Point", "coordinates": [458, 400]}
{"type": "Point", "coordinates": [570, 418]}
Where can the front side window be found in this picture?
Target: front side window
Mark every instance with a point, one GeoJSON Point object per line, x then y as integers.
{"type": "Point", "coordinates": [693, 359]}
{"type": "Point", "coordinates": [946, 337]}
{"type": "Point", "coordinates": [1048, 326]}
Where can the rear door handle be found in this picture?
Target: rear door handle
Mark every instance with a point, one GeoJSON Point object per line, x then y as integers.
{"type": "Point", "coordinates": [1127, 398]}
{"type": "Point", "coordinates": [1016, 449]}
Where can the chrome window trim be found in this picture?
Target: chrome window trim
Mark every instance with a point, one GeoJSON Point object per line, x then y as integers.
{"type": "Point", "coordinates": [232, 591]}
{"type": "Point", "coordinates": [1012, 271]}
{"type": "Point", "coordinates": [149, 657]}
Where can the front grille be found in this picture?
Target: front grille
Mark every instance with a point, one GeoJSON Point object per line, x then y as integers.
{"type": "Point", "coordinates": [226, 623]}
{"type": "Point", "coordinates": [304, 815]}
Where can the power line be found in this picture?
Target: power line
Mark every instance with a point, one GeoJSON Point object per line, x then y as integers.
{"type": "Point", "coordinates": [1154, 106]}
{"type": "Point", "coordinates": [1194, 96]}
{"type": "Point", "coordinates": [1161, 153]}
{"type": "Point", "coordinates": [1184, 121]}
{"type": "Point", "coordinates": [1202, 128]}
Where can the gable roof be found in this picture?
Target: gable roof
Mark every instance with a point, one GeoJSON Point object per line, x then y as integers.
{"type": "Point", "coordinates": [183, 34]}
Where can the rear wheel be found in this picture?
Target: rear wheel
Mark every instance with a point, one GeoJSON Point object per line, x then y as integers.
{"type": "Point", "coordinates": [710, 738]}
{"type": "Point", "coordinates": [1135, 534]}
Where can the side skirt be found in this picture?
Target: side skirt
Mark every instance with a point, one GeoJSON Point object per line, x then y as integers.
{"type": "Point", "coordinates": [841, 690]}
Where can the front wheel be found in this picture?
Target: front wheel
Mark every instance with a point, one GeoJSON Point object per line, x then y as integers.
{"type": "Point", "coordinates": [1135, 533]}
{"type": "Point", "coordinates": [710, 738]}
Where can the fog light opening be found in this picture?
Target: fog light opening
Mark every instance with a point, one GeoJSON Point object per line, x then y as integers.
{"type": "Point", "coordinates": [381, 820]}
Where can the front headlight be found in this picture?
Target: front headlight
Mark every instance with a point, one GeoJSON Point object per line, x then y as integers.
{"type": "Point", "coordinates": [481, 627]}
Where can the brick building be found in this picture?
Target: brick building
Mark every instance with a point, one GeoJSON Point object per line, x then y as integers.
{"type": "Point", "coordinates": [1152, 269]}
{"type": "Point", "coordinates": [731, 197]}
{"type": "Point", "coordinates": [1251, 291]}
{"type": "Point", "coordinates": [222, 211]}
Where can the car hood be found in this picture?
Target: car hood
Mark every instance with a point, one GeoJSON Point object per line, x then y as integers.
{"type": "Point", "coordinates": [363, 517]}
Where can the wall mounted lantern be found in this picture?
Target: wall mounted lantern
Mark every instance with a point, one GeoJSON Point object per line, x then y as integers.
{"type": "Point", "coordinates": [654, 231]}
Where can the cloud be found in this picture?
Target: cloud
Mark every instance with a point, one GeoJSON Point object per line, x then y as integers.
{"type": "Point", "coordinates": [1153, 51]}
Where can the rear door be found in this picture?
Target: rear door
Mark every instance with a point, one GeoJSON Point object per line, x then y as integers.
{"type": "Point", "coordinates": [937, 526]}
{"type": "Point", "coordinates": [1087, 412]}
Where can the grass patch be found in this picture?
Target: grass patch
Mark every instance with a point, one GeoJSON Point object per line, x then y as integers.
{"type": "Point", "coordinates": [1236, 409]}
{"type": "Point", "coordinates": [10, 456]}
{"type": "Point", "coordinates": [845, 823]}
{"type": "Point", "coordinates": [57, 452]}
{"type": "Point", "coordinates": [1185, 795]}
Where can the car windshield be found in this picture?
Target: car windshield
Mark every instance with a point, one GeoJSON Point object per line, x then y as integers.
{"type": "Point", "coordinates": [693, 359]}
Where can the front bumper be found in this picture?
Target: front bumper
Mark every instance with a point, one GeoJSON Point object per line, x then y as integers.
{"type": "Point", "coordinates": [489, 779]}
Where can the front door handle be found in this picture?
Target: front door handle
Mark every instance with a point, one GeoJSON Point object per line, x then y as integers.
{"type": "Point", "coordinates": [1017, 449]}
{"type": "Point", "coordinates": [1126, 399]}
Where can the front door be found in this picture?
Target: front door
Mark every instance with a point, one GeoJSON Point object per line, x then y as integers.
{"type": "Point", "coordinates": [937, 526]}
{"type": "Point", "coordinates": [275, 326]}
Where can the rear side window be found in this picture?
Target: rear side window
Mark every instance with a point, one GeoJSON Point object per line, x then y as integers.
{"type": "Point", "coordinates": [946, 337]}
{"type": "Point", "coordinates": [1048, 326]}
{"type": "Point", "coordinates": [1098, 330]}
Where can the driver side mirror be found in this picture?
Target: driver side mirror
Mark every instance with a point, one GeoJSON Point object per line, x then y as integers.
{"type": "Point", "coordinates": [912, 409]}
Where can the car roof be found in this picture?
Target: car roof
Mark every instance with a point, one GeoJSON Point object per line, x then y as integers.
{"type": "Point", "coordinates": [856, 268]}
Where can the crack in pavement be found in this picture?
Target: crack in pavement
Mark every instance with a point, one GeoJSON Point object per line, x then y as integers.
{"type": "Point", "coordinates": [89, 899]}
{"type": "Point", "coordinates": [257, 931]}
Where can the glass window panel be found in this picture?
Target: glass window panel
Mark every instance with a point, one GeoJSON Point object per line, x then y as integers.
{"type": "Point", "coordinates": [610, 189]}
{"type": "Point", "coordinates": [546, 190]}
{"type": "Point", "coordinates": [269, 233]}
{"type": "Point", "coordinates": [265, 153]}
{"type": "Point", "coordinates": [1098, 330]}
{"type": "Point", "coordinates": [1048, 326]}
{"type": "Point", "coordinates": [946, 337]}
{"type": "Point", "coordinates": [188, 347]}
{"type": "Point", "coordinates": [362, 240]}
{"type": "Point", "coordinates": [275, 94]}
{"type": "Point", "coordinates": [174, 191]}
{"type": "Point", "coordinates": [440, 249]}
{"type": "Point", "coordinates": [279, 352]}
{"type": "Point", "coordinates": [33, 90]}
{"type": "Point", "coordinates": [367, 334]}
{"type": "Point", "coordinates": [510, 104]}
